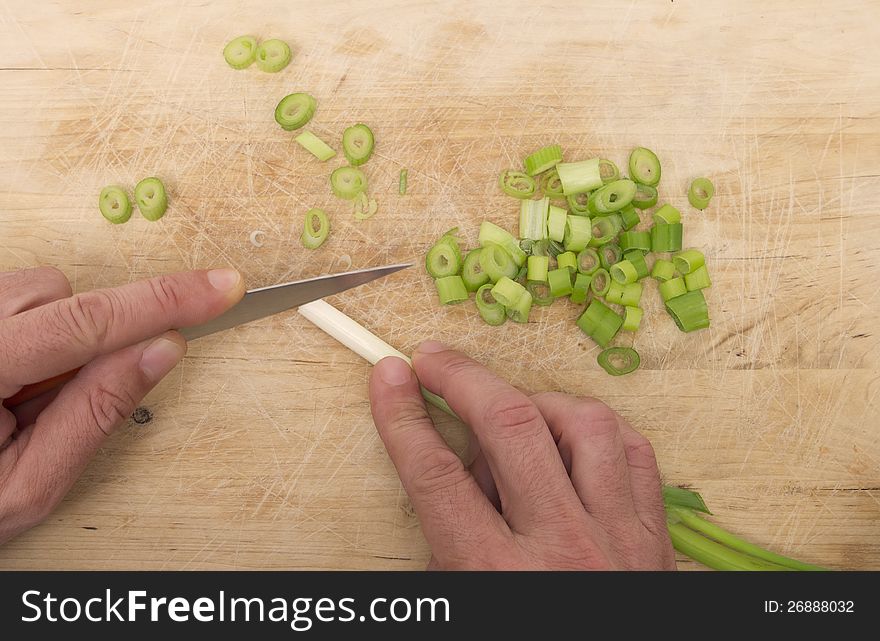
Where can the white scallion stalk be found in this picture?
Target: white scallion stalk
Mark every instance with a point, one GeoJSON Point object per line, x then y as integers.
{"type": "Point", "coordinates": [360, 340]}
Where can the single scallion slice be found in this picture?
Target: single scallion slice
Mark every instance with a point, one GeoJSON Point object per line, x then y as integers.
{"type": "Point", "coordinates": [568, 260]}
{"type": "Point", "coordinates": [624, 272]}
{"type": "Point", "coordinates": [600, 322]}
{"type": "Point", "coordinates": [507, 291]}
{"type": "Point", "coordinates": [618, 361]}
{"type": "Point", "coordinates": [632, 318]}
{"type": "Point", "coordinates": [357, 144]}
{"type": "Point", "coordinates": [316, 228]}
{"type": "Point", "coordinates": [700, 193]}
{"type": "Point", "coordinates": [629, 217]}
{"type": "Point", "coordinates": [581, 288]}
{"type": "Point", "coordinates": [151, 199]}
{"type": "Point", "coordinates": [114, 204]}
{"type": "Point", "coordinates": [295, 111]}
{"type": "Point", "coordinates": [559, 281]}
{"type": "Point", "coordinates": [518, 312]}
{"type": "Point", "coordinates": [540, 292]}
{"type": "Point", "coordinates": [600, 282]}
{"type": "Point", "coordinates": [517, 184]}
{"type": "Point", "coordinates": [640, 240]}
{"type": "Point", "coordinates": [663, 270]}
{"type": "Point", "coordinates": [627, 295]}
{"type": "Point", "coordinates": [273, 55]}
{"type": "Point", "coordinates": [697, 279]}
{"type": "Point", "coordinates": [588, 261]}
{"type": "Point", "coordinates": [444, 258]}
{"type": "Point", "coordinates": [578, 177]}
{"type": "Point", "coordinates": [490, 310]}
{"type": "Point", "coordinates": [646, 196]}
{"type": "Point", "coordinates": [364, 208]}
{"type": "Point", "coordinates": [348, 182]}
{"type": "Point", "coordinates": [577, 233]}
{"type": "Point", "coordinates": [689, 311]}
{"type": "Point", "coordinates": [472, 272]}
{"type": "Point", "coordinates": [496, 262]}
{"type": "Point", "coordinates": [556, 218]}
{"type": "Point", "coordinates": [533, 218]}
{"type": "Point", "coordinates": [492, 233]}
{"type": "Point", "coordinates": [240, 52]}
{"type": "Point", "coordinates": [543, 159]}
{"type": "Point", "coordinates": [637, 258]}
{"type": "Point", "coordinates": [579, 203]}
{"type": "Point", "coordinates": [608, 171]}
{"type": "Point", "coordinates": [612, 197]}
{"type": "Point", "coordinates": [315, 146]}
{"type": "Point", "coordinates": [451, 289]}
{"type": "Point", "coordinates": [528, 246]}
{"type": "Point", "coordinates": [672, 288]}
{"type": "Point", "coordinates": [537, 268]}
{"type": "Point", "coordinates": [667, 214]}
{"type": "Point", "coordinates": [551, 185]}
{"type": "Point", "coordinates": [401, 184]}
{"type": "Point", "coordinates": [666, 238]}
{"type": "Point", "coordinates": [644, 166]}
{"type": "Point", "coordinates": [522, 275]}
{"type": "Point", "coordinates": [554, 248]}
{"type": "Point", "coordinates": [687, 261]}
{"type": "Point", "coordinates": [609, 254]}
{"type": "Point", "coordinates": [602, 231]}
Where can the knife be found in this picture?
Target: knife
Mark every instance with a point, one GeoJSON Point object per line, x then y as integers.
{"type": "Point", "coordinates": [256, 304]}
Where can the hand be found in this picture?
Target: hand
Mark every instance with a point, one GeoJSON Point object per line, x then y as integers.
{"type": "Point", "coordinates": [121, 336]}
{"type": "Point", "coordinates": [560, 482]}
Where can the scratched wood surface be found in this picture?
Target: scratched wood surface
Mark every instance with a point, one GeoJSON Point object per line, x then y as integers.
{"type": "Point", "coordinates": [261, 452]}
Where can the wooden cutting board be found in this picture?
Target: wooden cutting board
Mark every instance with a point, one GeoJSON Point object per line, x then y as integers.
{"type": "Point", "coordinates": [261, 452]}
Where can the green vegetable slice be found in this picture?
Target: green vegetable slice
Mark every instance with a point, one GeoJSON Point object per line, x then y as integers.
{"type": "Point", "coordinates": [689, 260]}
{"type": "Point", "coordinates": [451, 289]}
{"type": "Point", "coordinates": [517, 184]}
{"type": "Point", "coordinates": [315, 146]}
{"type": "Point", "coordinates": [240, 52]}
{"type": "Point", "coordinates": [551, 185]}
{"type": "Point", "coordinates": [618, 361]}
{"type": "Point", "coordinates": [273, 55]}
{"type": "Point", "coordinates": [357, 144]}
{"type": "Point", "coordinates": [579, 203]}
{"type": "Point", "coordinates": [444, 258]}
{"type": "Point", "coordinates": [518, 312]}
{"type": "Point", "coordinates": [151, 199]}
{"type": "Point", "coordinates": [578, 177]}
{"type": "Point", "coordinates": [646, 196]}
{"type": "Point", "coordinates": [568, 260]}
{"type": "Point", "coordinates": [632, 318]}
{"type": "Point", "coordinates": [490, 310]}
{"type": "Point", "coordinates": [637, 258]}
{"type": "Point", "coordinates": [472, 272]}
{"type": "Point", "coordinates": [672, 288]}
{"type": "Point", "coordinates": [581, 288]}
{"type": "Point", "coordinates": [626, 295]}
{"type": "Point", "coordinates": [600, 322]}
{"type": "Point", "coordinates": [543, 159]}
{"type": "Point", "coordinates": [609, 254]}
{"type": "Point", "coordinates": [114, 204]}
{"type": "Point", "coordinates": [667, 214]}
{"type": "Point", "coordinates": [295, 110]}
{"type": "Point", "coordinates": [537, 268]}
{"type": "Point", "coordinates": [559, 281]}
{"type": "Point", "coordinates": [611, 197]}
{"type": "Point", "coordinates": [640, 240]}
{"type": "Point", "coordinates": [540, 292]}
{"type": "Point", "coordinates": [666, 238]}
{"type": "Point", "coordinates": [348, 182]}
{"type": "Point", "coordinates": [316, 228]}
{"type": "Point", "coordinates": [496, 262]}
{"type": "Point", "coordinates": [588, 261]}
{"type": "Point", "coordinates": [608, 171]}
{"type": "Point", "coordinates": [492, 233]}
{"type": "Point", "coordinates": [600, 282]}
{"type": "Point", "coordinates": [602, 231]}
{"type": "Point", "coordinates": [556, 219]}
{"type": "Point", "coordinates": [644, 166]}
{"type": "Point", "coordinates": [401, 184]}
{"type": "Point", "coordinates": [697, 279]}
{"type": "Point", "coordinates": [689, 311]}
{"type": "Point", "coordinates": [629, 217]}
{"type": "Point", "coordinates": [577, 233]}
{"type": "Point", "coordinates": [507, 291]}
{"type": "Point", "coordinates": [533, 218]}
{"type": "Point", "coordinates": [701, 192]}
{"type": "Point", "coordinates": [663, 270]}
{"type": "Point", "coordinates": [624, 272]}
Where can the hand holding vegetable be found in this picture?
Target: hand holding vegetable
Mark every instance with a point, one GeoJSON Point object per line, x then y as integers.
{"type": "Point", "coordinates": [561, 482]}
{"type": "Point", "coordinates": [121, 339]}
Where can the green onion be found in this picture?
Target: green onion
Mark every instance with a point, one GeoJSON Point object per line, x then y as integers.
{"type": "Point", "coordinates": [401, 185]}
{"type": "Point", "coordinates": [608, 171]}
{"type": "Point", "coordinates": [712, 554]}
{"type": "Point", "coordinates": [700, 193]}
{"type": "Point", "coordinates": [316, 228]}
{"type": "Point", "coordinates": [507, 291]}
{"type": "Point", "coordinates": [518, 312]}
{"type": "Point", "coordinates": [644, 167]}
{"type": "Point", "coordinates": [444, 258]}
{"type": "Point", "coordinates": [580, 288]}
{"type": "Point", "coordinates": [609, 254]}
{"type": "Point", "coordinates": [689, 311]}
{"type": "Point", "coordinates": [688, 260]}
{"type": "Point", "coordinates": [492, 233]}
{"type": "Point", "coordinates": [533, 218]}
{"type": "Point", "coordinates": [600, 322]}
{"type": "Point", "coordinates": [556, 218]}
{"type": "Point", "coordinates": [666, 238]}
{"type": "Point", "coordinates": [577, 233]}
{"type": "Point", "coordinates": [632, 318]}
{"type": "Point", "coordinates": [624, 272]}
{"type": "Point", "coordinates": [646, 196]}
{"type": "Point", "coordinates": [663, 270]}
{"type": "Point", "coordinates": [602, 230]}
{"type": "Point", "coordinates": [451, 289]}
{"type": "Point", "coordinates": [528, 246]}
{"type": "Point", "coordinates": [578, 177]}
{"type": "Point", "coordinates": [637, 258]}
{"type": "Point", "coordinates": [114, 204]}
{"type": "Point", "coordinates": [517, 184]}
{"type": "Point", "coordinates": [357, 144]}
{"type": "Point", "coordinates": [315, 146]}
{"type": "Point", "coordinates": [496, 262]}
{"type": "Point", "coordinates": [629, 217]}
{"type": "Point", "coordinates": [600, 282]}
{"type": "Point", "coordinates": [554, 248]}
{"type": "Point", "coordinates": [551, 185]}
{"type": "Point", "coordinates": [640, 240]}
{"type": "Point", "coordinates": [295, 110]}
{"type": "Point", "coordinates": [559, 281]}
{"type": "Point", "coordinates": [537, 268]}
{"type": "Point", "coordinates": [588, 261]}
{"type": "Point", "coordinates": [273, 55]}
{"type": "Point", "coordinates": [672, 288]}
{"type": "Point", "coordinates": [680, 497]}
{"type": "Point", "coordinates": [627, 295]}
{"type": "Point", "coordinates": [472, 272]}
{"type": "Point", "coordinates": [612, 197]}
{"type": "Point", "coordinates": [241, 52]}
{"type": "Point", "coordinates": [364, 208]}
{"type": "Point", "coordinates": [567, 259]}
{"type": "Point", "coordinates": [618, 361]}
{"type": "Point", "coordinates": [543, 159]}
{"type": "Point", "coordinates": [667, 214]}
{"type": "Point", "coordinates": [490, 310]}
{"type": "Point", "coordinates": [540, 292]}
{"type": "Point", "coordinates": [348, 182]}
{"type": "Point", "coordinates": [151, 199]}
{"type": "Point", "coordinates": [579, 203]}
{"type": "Point", "coordinates": [697, 279]}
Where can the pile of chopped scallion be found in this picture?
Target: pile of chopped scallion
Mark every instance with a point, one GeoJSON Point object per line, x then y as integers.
{"type": "Point", "coordinates": [579, 240]}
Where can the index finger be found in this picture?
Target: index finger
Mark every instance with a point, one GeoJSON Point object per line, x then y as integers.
{"type": "Point", "coordinates": [532, 481]}
{"type": "Point", "coordinates": [61, 336]}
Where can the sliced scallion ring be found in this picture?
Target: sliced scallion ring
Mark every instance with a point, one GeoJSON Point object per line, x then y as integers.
{"type": "Point", "coordinates": [618, 361]}
{"type": "Point", "coordinates": [295, 110]}
{"type": "Point", "coordinates": [273, 55]}
{"type": "Point", "coordinates": [608, 171]}
{"type": "Point", "coordinates": [151, 199]}
{"type": "Point", "coordinates": [496, 262]}
{"type": "Point", "coordinates": [579, 203]}
{"type": "Point", "coordinates": [646, 196]}
{"type": "Point", "coordinates": [517, 184]}
{"type": "Point", "coordinates": [114, 204]}
{"type": "Point", "coordinates": [632, 319]}
{"type": "Point", "coordinates": [472, 272]}
{"type": "Point", "coordinates": [644, 166]}
{"type": "Point", "coordinates": [611, 197]}
{"type": "Point", "coordinates": [543, 159]}
{"type": "Point", "coordinates": [315, 146]}
{"type": "Point", "coordinates": [540, 292]}
{"type": "Point", "coordinates": [316, 228]}
{"type": "Point", "coordinates": [551, 185]}
{"type": "Point", "coordinates": [357, 144]}
{"type": "Point", "coordinates": [451, 289]}
{"type": "Point", "coordinates": [490, 310]}
{"type": "Point", "coordinates": [241, 52]}
{"type": "Point", "coordinates": [444, 258]}
{"type": "Point", "coordinates": [700, 193]}
{"type": "Point", "coordinates": [347, 182]}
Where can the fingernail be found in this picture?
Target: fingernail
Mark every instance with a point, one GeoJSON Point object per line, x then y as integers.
{"type": "Point", "coordinates": [394, 371]}
{"type": "Point", "coordinates": [431, 347]}
{"type": "Point", "coordinates": [224, 280]}
{"type": "Point", "coordinates": [160, 357]}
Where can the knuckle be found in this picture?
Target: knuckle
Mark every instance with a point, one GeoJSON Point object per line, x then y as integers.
{"type": "Point", "coordinates": [108, 408]}
{"type": "Point", "coordinates": [88, 317]}
{"type": "Point", "coordinates": [595, 419]}
{"type": "Point", "coordinates": [438, 470]}
{"type": "Point", "coordinates": [640, 453]}
{"type": "Point", "coordinates": [166, 292]}
{"type": "Point", "coordinates": [512, 416]}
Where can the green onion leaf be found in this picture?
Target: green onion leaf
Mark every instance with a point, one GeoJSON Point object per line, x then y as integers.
{"type": "Point", "coordinates": [518, 312]}
{"type": "Point", "coordinates": [551, 185]}
{"type": "Point", "coordinates": [540, 291]}
{"type": "Point", "coordinates": [600, 322]}
{"type": "Point", "coordinates": [640, 240]}
{"type": "Point", "coordinates": [507, 291]}
{"type": "Point", "coordinates": [600, 282]}
{"type": "Point", "coordinates": [637, 258]}
{"type": "Point", "coordinates": [610, 254]}
{"type": "Point", "coordinates": [567, 259]}
{"type": "Point", "coordinates": [492, 233]}
{"type": "Point", "coordinates": [444, 258]}
{"type": "Point", "coordinates": [666, 238]}
{"type": "Point", "coordinates": [579, 203]}
{"type": "Point", "coordinates": [663, 270]}
{"type": "Point", "coordinates": [401, 185]}
{"type": "Point", "coordinates": [496, 262]}
{"type": "Point", "coordinates": [608, 171]}
{"type": "Point", "coordinates": [632, 318]}
{"type": "Point", "coordinates": [629, 216]}
{"type": "Point", "coordinates": [689, 260]}
{"type": "Point", "coordinates": [577, 233]}
{"type": "Point", "coordinates": [559, 281]}
{"type": "Point", "coordinates": [667, 214]}
{"type": "Point", "coordinates": [556, 219]}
